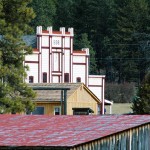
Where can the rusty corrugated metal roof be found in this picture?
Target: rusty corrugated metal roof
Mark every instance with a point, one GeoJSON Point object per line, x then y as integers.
{"type": "Point", "coordinates": [65, 131]}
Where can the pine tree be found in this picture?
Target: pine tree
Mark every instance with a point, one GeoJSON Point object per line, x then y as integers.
{"type": "Point", "coordinates": [45, 13]}
{"type": "Point", "coordinates": [15, 95]}
{"type": "Point", "coordinates": [83, 42]}
{"type": "Point", "coordinates": [132, 21]}
{"type": "Point", "coordinates": [141, 102]}
{"type": "Point", "coordinates": [64, 14]}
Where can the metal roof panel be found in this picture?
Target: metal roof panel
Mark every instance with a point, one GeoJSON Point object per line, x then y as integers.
{"type": "Point", "coordinates": [44, 130]}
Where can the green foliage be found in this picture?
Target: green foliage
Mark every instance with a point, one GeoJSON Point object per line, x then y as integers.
{"type": "Point", "coordinates": [132, 21]}
{"type": "Point", "coordinates": [45, 13]}
{"type": "Point", "coordinates": [83, 42]}
{"type": "Point", "coordinates": [15, 95]}
{"type": "Point", "coordinates": [118, 32]}
{"type": "Point", "coordinates": [64, 14]}
{"type": "Point", "coordinates": [141, 102]}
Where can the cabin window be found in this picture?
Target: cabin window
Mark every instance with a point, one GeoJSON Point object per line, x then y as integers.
{"type": "Point", "coordinates": [57, 111]}
{"type": "Point", "coordinates": [44, 77]}
{"type": "Point", "coordinates": [66, 77]}
{"type": "Point", "coordinates": [38, 111]}
{"type": "Point", "coordinates": [31, 79]}
{"type": "Point", "coordinates": [78, 79]}
{"type": "Point", "coordinates": [82, 111]}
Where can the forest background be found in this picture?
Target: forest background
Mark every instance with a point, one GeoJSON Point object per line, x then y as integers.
{"type": "Point", "coordinates": [116, 31]}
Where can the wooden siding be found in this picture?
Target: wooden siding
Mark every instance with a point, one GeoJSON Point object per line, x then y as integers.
{"type": "Point", "coordinates": [133, 139]}
{"type": "Point", "coordinates": [48, 107]}
{"type": "Point", "coordinates": [81, 99]}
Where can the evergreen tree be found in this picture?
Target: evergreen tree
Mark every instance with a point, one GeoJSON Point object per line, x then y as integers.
{"type": "Point", "coordinates": [132, 21]}
{"type": "Point", "coordinates": [15, 95]}
{"type": "Point", "coordinates": [99, 20]}
{"type": "Point", "coordinates": [141, 102]}
{"type": "Point", "coordinates": [83, 42]}
{"type": "Point", "coordinates": [64, 14]}
{"type": "Point", "coordinates": [45, 13]}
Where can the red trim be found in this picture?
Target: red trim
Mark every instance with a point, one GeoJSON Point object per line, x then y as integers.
{"type": "Point", "coordinates": [57, 47]}
{"type": "Point", "coordinates": [34, 62]}
{"type": "Point", "coordinates": [59, 55]}
{"type": "Point", "coordinates": [57, 32]}
{"type": "Point", "coordinates": [79, 64]}
{"type": "Point", "coordinates": [49, 63]}
{"type": "Point", "coordinates": [67, 32]}
{"type": "Point", "coordinates": [45, 31]}
{"type": "Point", "coordinates": [35, 50]}
{"type": "Point", "coordinates": [45, 47]}
{"type": "Point", "coordinates": [79, 51]}
{"type": "Point", "coordinates": [38, 44]}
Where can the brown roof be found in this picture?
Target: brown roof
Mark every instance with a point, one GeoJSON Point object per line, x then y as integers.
{"type": "Point", "coordinates": [54, 95]}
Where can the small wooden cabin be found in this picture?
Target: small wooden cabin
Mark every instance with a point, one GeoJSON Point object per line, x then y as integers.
{"type": "Point", "coordinates": [77, 99]}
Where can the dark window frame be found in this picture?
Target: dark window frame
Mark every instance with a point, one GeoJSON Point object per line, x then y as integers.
{"type": "Point", "coordinates": [78, 79]}
{"type": "Point", "coordinates": [66, 77]}
{"type": "Point", "coordinates": [31, 79]}
{"type": "Point", "coordinates": [38, 110]}
{"type": "Point", "coordinates": [44, 77]}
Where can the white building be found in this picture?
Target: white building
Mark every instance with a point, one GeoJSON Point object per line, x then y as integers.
{"type": "Point", "coordinates": [55, 61]}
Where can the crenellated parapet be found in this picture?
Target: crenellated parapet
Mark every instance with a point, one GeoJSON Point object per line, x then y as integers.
{"type": "Point", "coordinates": [62, 31]}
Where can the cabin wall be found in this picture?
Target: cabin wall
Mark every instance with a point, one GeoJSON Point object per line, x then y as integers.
{"type": "Point", "coordinates": [48, 107]}
{"type": "Point", "coordinates": [81, 99]}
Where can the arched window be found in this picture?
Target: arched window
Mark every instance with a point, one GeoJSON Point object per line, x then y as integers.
{"type": "Point", "coordinates": [78, 79]}
{"type": "Point", "coordinates": [66, 77]}
{"type": "Point", "coordinates": [31, 79]}
{"type": "Point", "coordinates": [44, 77]}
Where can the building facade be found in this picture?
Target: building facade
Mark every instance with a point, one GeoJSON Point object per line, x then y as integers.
{"type": "Point", "coordinates": [55, 61]}
{"type": "Point", "coordinates": [64, 99]}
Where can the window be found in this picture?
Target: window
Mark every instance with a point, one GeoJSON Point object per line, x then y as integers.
{"type": "Point", "coordinates": [82, 111]}
{"type": "Point", "coordinates": [78, 79]}
{"type": "Point", "coordinates": [66, 77]}
{"type": "Point", "coordinates": [57, 111]}
{"type": "Point", "coordinates": [31, 79]}
{"type": "Point", "coordinates": [44, 77]}
{"type": "Point", "coordinates": [38, 111]}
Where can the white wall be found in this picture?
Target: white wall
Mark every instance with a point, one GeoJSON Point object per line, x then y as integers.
{"type": "Point", "coordinates": [32, 57]}
{"type": "Point", "coordinates": [45, 60]}
{"type": "Point", "coordinates": [45, 41]}
{"type": "Point", "coordinates": [33, 71]}
{"type": "Point", "coordinates": [67, 42]}
{"type": "Point", "coordinates": [67, 61]}
{"type": "Point", "coordinates": [79, 71]}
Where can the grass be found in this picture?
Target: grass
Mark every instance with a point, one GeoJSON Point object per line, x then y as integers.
{"type": "Point", "coordinates": [120, 108]}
